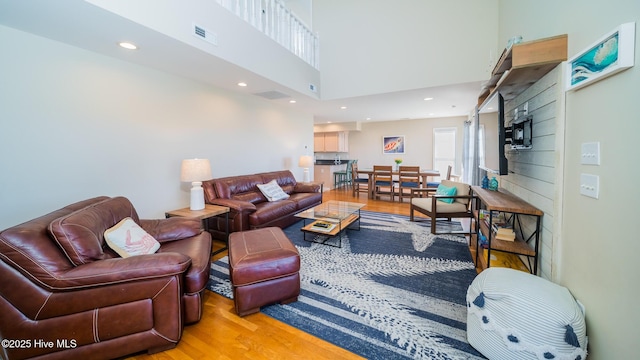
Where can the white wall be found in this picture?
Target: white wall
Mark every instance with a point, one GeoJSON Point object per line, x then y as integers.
{"type": "Point", "coordinates": [302, 9]}
{"type": "Point", "coordinates": [381, 46]}
{"type": "Point", "coordinates": [75, 124]}
{"type": "Point", "coordinates": [366, 145]}
{"type": "Point", "coordinates": [598, 242]}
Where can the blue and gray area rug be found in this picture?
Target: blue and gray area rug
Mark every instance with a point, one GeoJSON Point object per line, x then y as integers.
{"type": "Point", "coordinates": [392, 291]}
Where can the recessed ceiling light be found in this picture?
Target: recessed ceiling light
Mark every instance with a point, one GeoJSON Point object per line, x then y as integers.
{"type": "Point", "coordinates": [243, 84]}
{"type": "Point", "coordinates": [428, 98]}
{"type": "Point", "coordinates": [343, 107]}
{"type": "Point", "coordinates": [127, 45]}
{"type": "Point", "coordinates": [368, 118]}
{"type": "Point", "coordinates": [292, 101]}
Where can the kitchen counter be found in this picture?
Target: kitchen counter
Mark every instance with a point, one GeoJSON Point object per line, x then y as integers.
{"type": "Point", "coordinates": [323, 172]}
{"type": "Point", "coordinates": [331, 162]}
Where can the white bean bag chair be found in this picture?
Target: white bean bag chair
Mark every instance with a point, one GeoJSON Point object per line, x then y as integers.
{"type": "Point", "coordinates": [515, 315]}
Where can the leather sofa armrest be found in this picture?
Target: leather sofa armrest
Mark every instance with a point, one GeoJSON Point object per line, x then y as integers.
{"type": "Point", "coordinates": [120, 270]}
{"type": "Point", "coordinates": [307, 188]}
{"type": "Point", "coordinates": [235, 205]}
{"type": "Point", "coordinates": [174, 228]}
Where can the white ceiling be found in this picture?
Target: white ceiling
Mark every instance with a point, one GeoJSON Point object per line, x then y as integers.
{"type": "Point", "coordinates": [83, 25]}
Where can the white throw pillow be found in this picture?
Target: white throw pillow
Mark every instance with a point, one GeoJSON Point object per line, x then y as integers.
{"type": "Point", "coordinates": [128, 239]}
{"type": "Point", "coordinates": [272, 191]}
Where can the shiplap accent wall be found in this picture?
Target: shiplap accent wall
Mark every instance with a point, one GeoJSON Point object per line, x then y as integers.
{"type": "Point", "coordinates": [532, 173]}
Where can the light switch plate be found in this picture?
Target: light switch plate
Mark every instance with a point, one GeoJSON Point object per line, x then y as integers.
{"type": "Point", "coordinates": [590, 153]}
{"type": "Point", "coordinates": [589, 185]}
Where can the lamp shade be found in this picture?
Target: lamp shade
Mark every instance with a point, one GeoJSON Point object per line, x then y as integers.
{"type": "Point", "coordinates": [305, 161]}
{"type": "Point", "coordinates": [195, 170]}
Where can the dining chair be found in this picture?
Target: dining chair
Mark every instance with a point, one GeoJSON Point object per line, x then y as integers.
{"type": "Point", "coordinates": [408, 178]}
{"type": "Point", "coordinates": [435, 184]}
{"type": "Point", "coordinates": [358, 184]}
{"type": "Point", "coordinates": [383, 181]}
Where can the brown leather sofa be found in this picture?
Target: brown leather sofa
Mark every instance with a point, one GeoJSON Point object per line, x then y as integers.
{"type": "Point", "coordinates": [249, 209]}
{"type": "Point", "coordinates": [90, 303]}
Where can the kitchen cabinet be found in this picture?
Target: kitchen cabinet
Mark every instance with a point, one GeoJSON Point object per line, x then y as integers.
{"type": "Point", "coordinates": [337, 141]}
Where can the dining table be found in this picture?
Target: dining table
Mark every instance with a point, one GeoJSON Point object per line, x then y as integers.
{"type": "Point", "coordinates": [424, 174]}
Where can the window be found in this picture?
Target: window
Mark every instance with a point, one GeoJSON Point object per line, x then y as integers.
{"type": "Point", "coordinates": [444, 149]}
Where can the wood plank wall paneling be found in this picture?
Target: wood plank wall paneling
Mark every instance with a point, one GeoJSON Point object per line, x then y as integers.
{"type": "Point", "coordinates": [532, 173]}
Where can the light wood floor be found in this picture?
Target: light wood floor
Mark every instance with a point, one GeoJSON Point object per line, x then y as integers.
{"type": "Point", "coordinates": [221, 334]}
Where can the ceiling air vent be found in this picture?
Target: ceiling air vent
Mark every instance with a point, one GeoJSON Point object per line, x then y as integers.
{"type": "Point", "coordinates": [205, 34]}
{"type": "Point", "coordinates": [272, 95]}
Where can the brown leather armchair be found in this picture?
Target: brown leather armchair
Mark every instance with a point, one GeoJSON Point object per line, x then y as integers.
{"type": "Point", "coordinates": [89, 302]}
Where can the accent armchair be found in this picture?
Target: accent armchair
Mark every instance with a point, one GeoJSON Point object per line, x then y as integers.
{"type": "Point", "coordinates": [428, 202]}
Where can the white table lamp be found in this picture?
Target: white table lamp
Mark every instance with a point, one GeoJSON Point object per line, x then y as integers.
{"type": "Point", "coordinates": [195, 171]}
{"type": "Point", "coordinates": [306, 161]}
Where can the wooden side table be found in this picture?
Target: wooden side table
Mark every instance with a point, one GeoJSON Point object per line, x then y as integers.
{"type": "Point", "coordinates": [209, 211]}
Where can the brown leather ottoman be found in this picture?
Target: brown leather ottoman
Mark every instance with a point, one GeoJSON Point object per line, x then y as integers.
{"type": "Point", "coordinates": [264, 269]}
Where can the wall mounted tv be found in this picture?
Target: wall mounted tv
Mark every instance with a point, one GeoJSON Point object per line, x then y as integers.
{"type": "Point", "coordinates": [502, 138]}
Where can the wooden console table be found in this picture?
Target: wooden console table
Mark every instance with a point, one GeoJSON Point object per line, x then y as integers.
{"type": "Point", "coordinates": [503, 201]}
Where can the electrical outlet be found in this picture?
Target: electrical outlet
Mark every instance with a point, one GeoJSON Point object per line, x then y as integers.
{"type": "Point", "coordinates": [526, 108]}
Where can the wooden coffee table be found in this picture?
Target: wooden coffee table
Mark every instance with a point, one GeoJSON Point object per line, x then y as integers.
{"type": "Point", "coordinates": [329, 220]}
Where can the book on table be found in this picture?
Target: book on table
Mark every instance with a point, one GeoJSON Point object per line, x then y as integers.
{"type": "Point", "coordinates": [506, 234]}
{"type": "Point", "coordinates": [323, 226]}
{"type": "Point", "coordinates": [499, 225]}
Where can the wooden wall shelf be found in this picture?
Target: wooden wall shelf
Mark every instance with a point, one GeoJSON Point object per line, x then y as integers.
{"type": "Point", "coordinates": [523, 65]}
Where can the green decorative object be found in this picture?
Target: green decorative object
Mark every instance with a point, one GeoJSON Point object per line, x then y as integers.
{"type": "Point", "coordinates": [493, 184]}
{"type": "Point", "coordinates": [398, 162]}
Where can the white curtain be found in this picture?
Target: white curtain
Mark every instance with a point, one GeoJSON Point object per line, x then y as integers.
{"type": "Point", "coordinates": [470, 150]}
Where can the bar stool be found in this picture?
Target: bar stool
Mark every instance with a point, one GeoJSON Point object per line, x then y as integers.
{"type": "Point", "coordinates": [341, 178]}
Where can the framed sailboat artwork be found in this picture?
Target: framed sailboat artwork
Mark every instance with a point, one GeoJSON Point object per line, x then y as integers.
{"type": "Point", "coordinates": [393, 144]}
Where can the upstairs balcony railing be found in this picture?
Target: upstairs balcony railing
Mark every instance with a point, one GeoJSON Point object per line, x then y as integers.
{"type": "Point", "coordinates": [276, 21]}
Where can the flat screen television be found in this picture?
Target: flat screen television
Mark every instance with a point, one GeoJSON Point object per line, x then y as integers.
{"type": "Point", "coordinates": [502, 138]}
